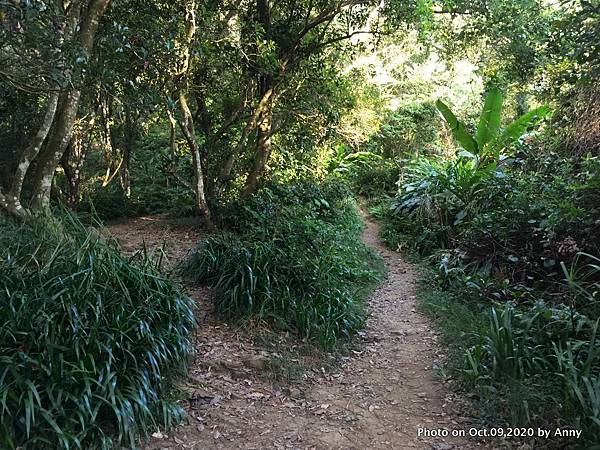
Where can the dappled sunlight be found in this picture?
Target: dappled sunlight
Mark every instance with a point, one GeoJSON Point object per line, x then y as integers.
{"type": "Point", "coordinates": [299, 224]}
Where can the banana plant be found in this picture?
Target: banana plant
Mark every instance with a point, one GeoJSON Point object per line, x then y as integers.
{"type": "Point", "coordinates": [490, 139]}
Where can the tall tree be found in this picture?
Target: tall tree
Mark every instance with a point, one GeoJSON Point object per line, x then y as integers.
{"type": "Point", "coordinates": [291, 33]}
{"type": "Point", "coordinates": [77, 26]}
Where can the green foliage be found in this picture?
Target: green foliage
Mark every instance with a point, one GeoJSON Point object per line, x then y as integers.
{"type": "Point", "coordinates": [576, 123]}
{"type": "Point", "coordinates": [578, 364]}
{"type": "Point", "coordinates": [531, 364]}
{"type": "Point", "coordinates": [548, 349]}
{"type": "Point", "coordinates": [572, 54]}
{"type": "Point", "coordinates": [344, 161]}
{"type": "Point", "coordinates": [522, 220]}
{"type": "Point", "coordinates": [437, 196]}
{"type": "Point", "coordinates": [376, 181]}
{"type": "Point", "coordinates": [369, 174]}
{"type": "Point", "coordinates": [458, 129]}
{"type": "Point", "coordinates": [518, 127]}
{"type": "Point", "coordinates": [489, 141]}
{"type": "Point", "coordinates": [291, 255]}
{"type": "Point", "coordinates": [500, 222]}
{"type": "Point", "coordinates": [153, 187]}
{"type": "Point", "coordinates": [489, 122]}
{"type": "Point", "coordinates": [30, 48]}
{"type": "Point", "coordinates": [411, 128]}
{"type": "Point", "coordinates": [373, 173]}
{"type": "Point", "coordinates": [89, 340]}
{"type": "Point", "coordinates": [523, 234]}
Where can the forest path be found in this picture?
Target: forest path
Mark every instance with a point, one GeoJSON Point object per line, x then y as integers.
{"type": "Point", "coordinates": [377, 398]}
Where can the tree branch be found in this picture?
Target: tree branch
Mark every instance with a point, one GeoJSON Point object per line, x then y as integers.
{"type": "Point", "coordinates": [340, 38]}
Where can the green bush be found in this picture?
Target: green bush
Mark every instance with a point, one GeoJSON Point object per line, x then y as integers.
{"type": "Point", "coordinates": [517, 240]}
{"type": "Point", "coordinates": [520, 220]}
{"type": "Point", "coordinates": [89, 340]}
{"type": "Point", "coordinates": [291, 255]}
{"type": "Point", "coordinates": [411, 129]}
{"type": "Point", "coordinates": [376, 181]}
{"type": "Point", "coordinates": [435, 198]}
{"type": "Point", "coordinates": [368, 174]}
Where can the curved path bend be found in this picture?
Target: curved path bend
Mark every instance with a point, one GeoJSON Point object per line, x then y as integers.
{"type": "Point", "coordinates": [377, 398]}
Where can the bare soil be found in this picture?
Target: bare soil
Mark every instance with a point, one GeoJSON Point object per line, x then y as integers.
{"type": "Point", "coordinates": [376, 396]}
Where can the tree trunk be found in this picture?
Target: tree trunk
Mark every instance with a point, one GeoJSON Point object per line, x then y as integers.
{"type": "Point", "coordinates": [72, 178]}
{"type": "Point", "coordinates": [72, 164]}
{"type": "Point", "coordinates": [186, 123]}
{"type": "Point", "coordinates": [265, 120]}
{"type": "Point", "coordinates": [263, 149]}
{"type": "Point", "coordinates": [124, 172]}
{"type": "Point", "coordinates": [173, 134]}
{"type": "Point", "coordinates": [522, 106]}
{"type": "Point", "coordinates": [31, 152]}
{"type": "Point", "coordinates": [265, 100]}
{"type": "Point", "coordinates": [187, 127]}
{"type": "Point", "coordinates": [48, 160]}
{"type": "Point", "coordinates": [13, 208]}
{"type": "Point", "coordinates": [12, 200]}
{"type": "Point", "coordinates": [66, 113]}
{"type": "Point", "coordinates": [130, 135]}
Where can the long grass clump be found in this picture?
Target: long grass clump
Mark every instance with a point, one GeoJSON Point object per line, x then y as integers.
{"type": "Point", "coordinates": [89, 340]}
{"type": "Point", "coordinates": [291, 256]}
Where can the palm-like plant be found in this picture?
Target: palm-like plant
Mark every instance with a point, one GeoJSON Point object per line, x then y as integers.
{"type": "Point", "coordinates": [489, 139]}
{"type": "Point", "coordinates": [447, 191]}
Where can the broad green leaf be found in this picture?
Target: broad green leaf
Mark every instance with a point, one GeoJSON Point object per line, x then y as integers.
{"type": "Point", "coordinates": [489, 122]}
{"type": "Point", "coordinates": [466, 154]}
{"type": "Point", "coordinates": [517, 128]}
{"type": "Point", "coordinates": [458, 129]}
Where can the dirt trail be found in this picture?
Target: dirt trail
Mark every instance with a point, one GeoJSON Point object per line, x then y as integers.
{"type": "Point", "coordinates": [377, 398]}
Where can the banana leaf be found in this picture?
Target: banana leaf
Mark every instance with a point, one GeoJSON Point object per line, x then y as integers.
{"type": "Point", "coordinates": [457, 128]}
{"type": "Point", "coordinates": [489, 122]}
{"type": "Point", "coordinates": [517, 128]}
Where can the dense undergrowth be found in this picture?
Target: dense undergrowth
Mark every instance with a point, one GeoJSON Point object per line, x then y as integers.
{"type": "Point", "coordinates": [89, 340]}
{"type": "Point", "coordinates": [155, 189]}
{"type": "Point", "coordinates": [291, 255]}
{"type": "Point", "coordinates": [120, 109]}
{"type": "Point", "coordinates": [514, 250]}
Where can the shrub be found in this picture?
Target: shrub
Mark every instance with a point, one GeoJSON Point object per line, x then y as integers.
{"type": "Point", "coordinates": [292, 256]}
{"type": "Point", "coordinates": [412, 128]}
{"type": "Point", "coordinates": [518, 241]}
{"type": "Point", "coordinates": [368, 174]}
{"type": "Point", "coordinates": [518, 219]}
{"type": "Point", "coordinates": [89, 340]}
{"type": "Point", "coordinates": [434, 198]}
{"type": "Point", "coordinates": [376, 181]}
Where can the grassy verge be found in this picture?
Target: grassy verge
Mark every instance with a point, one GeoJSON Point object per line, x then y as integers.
{"type": "Point", "coordinates": [90, 340]}
{"type": "Point", "coordinates": [519, 366]}
{"type": "Point", "coordinates": [459, 321]}
{"type": "Point", "coordinates": [292, 257]}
